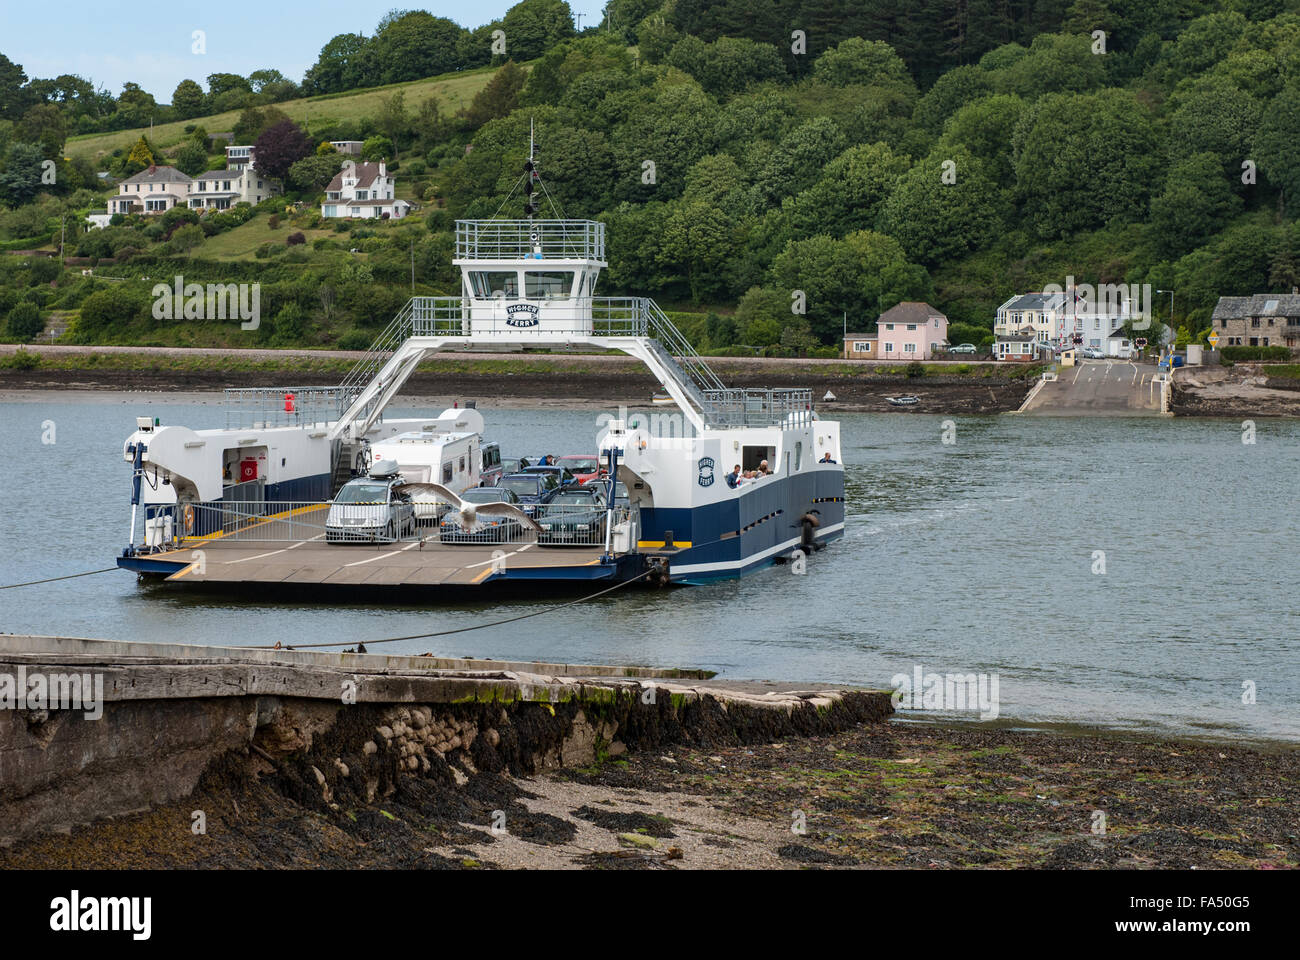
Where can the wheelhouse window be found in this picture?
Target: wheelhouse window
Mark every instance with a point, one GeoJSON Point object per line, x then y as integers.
{"type": "Point", "coordinates": [548, 284]}
{"type": "Point", "coordinates": [494, 283]}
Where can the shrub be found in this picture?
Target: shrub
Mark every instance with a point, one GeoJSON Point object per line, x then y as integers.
{"type": "Point", "coordinates": [25, 321]}
{"type": "Point", "coordinates": [117, 305]}
{"type": "Point", "coordinates": [44, 269]}
{"type": "Point", "coordinates": [915, 369]}
{"type": "Point", "coordinates": [355, 340]}
{"type": "Point", "coordinates": [274, 221]}
{"type": "Point", "coordinates": [294, 239]}
{"type": "Point", "coordinates": [22, 360]}
{"type": "Point", "coordinates": [1243, 354]}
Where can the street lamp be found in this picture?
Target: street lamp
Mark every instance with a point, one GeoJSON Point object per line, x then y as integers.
{"type": "Point", "coordinates": [1171, 317]}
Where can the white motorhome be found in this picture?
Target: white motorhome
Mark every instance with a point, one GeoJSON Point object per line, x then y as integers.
{"type": "Point", "coordinates": [448, 452]}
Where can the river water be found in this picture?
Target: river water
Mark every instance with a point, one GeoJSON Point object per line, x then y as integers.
{"type": "Point", "coordinates": [1131, 573]}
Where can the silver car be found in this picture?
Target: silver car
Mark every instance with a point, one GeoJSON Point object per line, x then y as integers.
{"type": "Point", "coordinates": [370, 510]}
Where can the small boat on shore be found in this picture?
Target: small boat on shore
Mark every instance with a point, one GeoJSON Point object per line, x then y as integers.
{"type": "Point", "coordinates": [905, 401]}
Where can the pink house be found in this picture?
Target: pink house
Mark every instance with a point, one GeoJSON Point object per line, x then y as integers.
{"type": "Point", "coordinates": [911, 331]}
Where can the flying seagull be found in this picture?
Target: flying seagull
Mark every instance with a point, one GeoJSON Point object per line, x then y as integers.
{"type": "Point", "coordinates": [468, 513]}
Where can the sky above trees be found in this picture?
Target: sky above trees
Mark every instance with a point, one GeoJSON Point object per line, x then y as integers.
{"type": "Point", "coordinates": [111, 46]}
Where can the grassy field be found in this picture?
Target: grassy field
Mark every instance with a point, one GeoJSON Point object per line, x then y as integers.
{"type": "Point", "coordinates": [454, 90]}
{"type": "Point", "coordinates": [243, 240]}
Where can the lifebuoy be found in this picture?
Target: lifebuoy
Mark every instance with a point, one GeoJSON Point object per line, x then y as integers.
{"type": "Point", "coordinates": [187, 518]}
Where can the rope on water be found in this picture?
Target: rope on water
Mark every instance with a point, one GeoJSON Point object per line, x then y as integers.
{"type": "Point", "coordinates": [71, 576]}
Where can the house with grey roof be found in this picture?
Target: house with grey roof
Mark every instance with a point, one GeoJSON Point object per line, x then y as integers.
{"type": "Point", "coordinates": [222, 189]}
{"type": "Point", "coordinates": [153, 190]}
{"type": "Point", "coordinates": [1057, 318]}
{"type": "Point", "coordinates": [1261, 320]}
{"type": "Point", "coordinates": [911, 330]}
{"type": "Point", "coordinates": [364, 190]}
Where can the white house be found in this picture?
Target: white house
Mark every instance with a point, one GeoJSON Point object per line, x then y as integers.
{"type": "Point", "coordinates": [154, 190]}
{"type": "Point", "coordinates": [222, 189]}
{"type": "Point", "coordinates": [1053, 319]}
{"type": "Point", "coordinates": [160, 188]}
{"type": "Point", "coordinates": [239, 157]}
{"type": "Point", "coordinates": [98, 219]}
{"type": "Point", "coordinates": [364, 190]}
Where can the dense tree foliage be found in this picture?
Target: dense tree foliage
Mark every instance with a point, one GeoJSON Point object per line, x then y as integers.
{"type": "Point", "coordinates": [798, 161]}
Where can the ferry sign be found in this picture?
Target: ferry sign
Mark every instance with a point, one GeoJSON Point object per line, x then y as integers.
{"type": "Point", "coordinates": [705, 466]}
{"type": "Point", "coordinates": [1212, 339]}
{"type": "Point", "coordinates": [521, 315]}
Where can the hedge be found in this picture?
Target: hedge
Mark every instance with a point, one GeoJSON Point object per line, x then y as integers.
{"type": "Point", "coordinates": [31, 243]}
{"type": "Point", "coordinates": [1241, 354]}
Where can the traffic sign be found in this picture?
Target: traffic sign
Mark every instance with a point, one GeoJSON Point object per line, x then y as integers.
{"type": "Point", "coordinates": [1141, 341]}
{"type": "Point", "coordinates": [1212, 339]}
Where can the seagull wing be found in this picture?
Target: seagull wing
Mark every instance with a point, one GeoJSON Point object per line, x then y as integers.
{"type": "Point", "coordinates": [436, 489]}
{"type": "Point", "coordinates": [507, 510]}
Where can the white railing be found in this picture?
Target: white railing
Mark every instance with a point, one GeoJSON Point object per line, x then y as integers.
{"type": "Point", "coordinates": [175, 526]}
{"type": "Point", "coordinates": [523, 239]}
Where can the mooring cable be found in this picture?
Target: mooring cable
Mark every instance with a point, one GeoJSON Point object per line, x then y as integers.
{"type": "Point", "coordinates": [71, 576]}
{"type": "Point", "coordinates": [477, 626]}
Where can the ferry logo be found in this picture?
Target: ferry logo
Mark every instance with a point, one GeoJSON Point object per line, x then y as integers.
{"type": "Point", "coordinates": [706, 471]}
{"type": "Point", "coordinates": [521, 315]}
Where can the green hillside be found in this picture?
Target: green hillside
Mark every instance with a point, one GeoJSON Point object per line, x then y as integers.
{"type": "Point", "coordinates": [453, 92]}
{"type": "Point", "coordinates": [767, 189]}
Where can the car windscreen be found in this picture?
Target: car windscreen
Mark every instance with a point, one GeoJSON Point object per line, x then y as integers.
{"type": "Point", "coordinates": [363, 493]}
{"type": "Point", "coordinates": [521, 486]}
{"type": "Point", "coordinates": [582, 464]}
{"type": "Point", "coordinates": [486, 495]}
{"type": "Point", "coordinates": [574, 499]}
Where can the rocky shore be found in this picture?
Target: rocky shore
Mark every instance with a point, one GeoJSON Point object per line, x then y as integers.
{"type": "Point", "coordinates": [893, 794]}
{"type": "Point", "coordinates": [1240, 392]}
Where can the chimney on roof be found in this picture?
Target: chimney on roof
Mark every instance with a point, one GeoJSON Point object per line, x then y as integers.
{"type": "Point", "coordinates": [383, 169]}
{"type": "Point", "coordinates": [153, 168]}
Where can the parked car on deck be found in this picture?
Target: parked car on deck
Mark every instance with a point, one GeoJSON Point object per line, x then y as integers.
{"type": "Point", "coordinates": [371, 509]}
{"type": "Point", "coordinates": [574, 518]}
{"type": "Point", "coordinates": [584, 468]}
{"type": "Point", "coordinates": [562, 474]}
{"type": "Point", "coordinates": [532, 489]}
{"type": "Point", "coordinates": [488, 529]}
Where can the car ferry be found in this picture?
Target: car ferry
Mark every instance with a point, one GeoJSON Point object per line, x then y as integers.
{"type": "Point", "coordinates": [524, 283]}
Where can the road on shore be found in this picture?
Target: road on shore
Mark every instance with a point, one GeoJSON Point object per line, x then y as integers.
{"type": "Point", "coordinates": [1100, 388]}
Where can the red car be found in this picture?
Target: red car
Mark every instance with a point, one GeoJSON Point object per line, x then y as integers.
{"type": "Point", "coordinates": [583, 468]}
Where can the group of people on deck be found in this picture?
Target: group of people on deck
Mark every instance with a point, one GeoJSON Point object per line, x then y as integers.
{"type": "Point", "coordinates": [736, 478]}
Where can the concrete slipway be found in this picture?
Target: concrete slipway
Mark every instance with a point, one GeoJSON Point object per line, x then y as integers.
{"type": "Point", "coordinates": [352, 725]}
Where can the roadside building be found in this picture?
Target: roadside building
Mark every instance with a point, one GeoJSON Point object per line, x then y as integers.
{"type": "Point", "coordinates": [1262, 320]}
{"type": "Point", "coordinates": [98, 219]}
{"type": "Point", "coordinates": [350, 147]}
{"type": "Point", "coordinates": [860, 346]}
{"type": "Point", "coordinates": [1016, 347]}
{"type": "Point", "coordinates": [1056, 319]}
{"type": "Point", "coordinates": [911, 330]}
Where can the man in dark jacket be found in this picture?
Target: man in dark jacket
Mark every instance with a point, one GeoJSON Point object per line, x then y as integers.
{"type": "Point", "coordinates": [733, 475]}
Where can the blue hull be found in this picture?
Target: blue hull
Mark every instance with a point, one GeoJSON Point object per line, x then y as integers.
{"type": "Point", "coordinates": [746, 531]}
